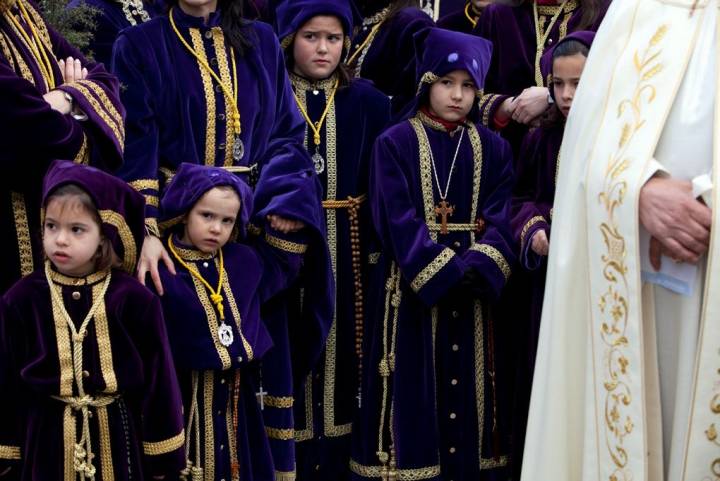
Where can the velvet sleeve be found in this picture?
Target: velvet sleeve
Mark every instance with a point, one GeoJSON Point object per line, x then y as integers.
{"type": "Point", "coordinates": [162, 431]}
{"type": "Point", "coordinates": [10, 415]}
{"type": "Point", "coordinates": [282, 256]}
{"type": "Point", "coordinates": [98, 97]}
{"type": "Point", "coordinates": [528, 214]}
{"type": "Point", "coordinates": [492, 98]}
{"type": "Point", "coordinates": [430, 268]}
{"type": "Point", "coordinates": [136, 72]}
{"type": "Point", "coordinates": [33, 133]}
{"type": "Point", "coordinates": [492, 256]}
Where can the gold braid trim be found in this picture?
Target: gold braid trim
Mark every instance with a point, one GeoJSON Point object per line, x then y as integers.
{"type": "Point", "coordinates": [227, 289]}
{"type": "Point", "coordinates": [145, 184]}
{"type": "Point", "coordinates": [22, 231]}
{"type": "Point", "coordinates": [281, 402]}
{"type": "Point", "coordinates": [9, 452]}
{"type": "Point", "coordinates": [285, 245]}
{"type": "Point", "coordinates": [285, 476]}
{"type": "Point", "coordinates": [427, 78]}
{"type": "Point", "coordinates": [486, 103]}
{"type": "Point", "coordinates": [104, 99]}
{"type": "Point", "coordinates": [106, 462]}
{"type": "Point", "coordinates": [166, 446]}
{"type": "Point", "coordinates": [224, 68]}
{"type": "Point", "coordinates": [152, 200]}
{"type": "Point", "coordinates": [151, 227]}
{"type": "Point", "coordinates": [116, 220]}
{"type": "Point", "coordinates": [527, 226]}
{"type": "Point", "coordinates": [432, 269]}
{"type": "Point", "coordinates": [208, 423]}
{"type": "Point", "coordinates": [116, 125]}
{"type": "Point", "coordinates": [102, 335]}
{"type": "Point", "coordinates": [281, 434]}
{"type": "Point", "coordinates": [83, 156]}
{"type": "Point", "coordinates": [495, 255]}
{"type": "Point", "coordinates": [210, 106]}
{"type": "Point", "coordinates": [402, 474]}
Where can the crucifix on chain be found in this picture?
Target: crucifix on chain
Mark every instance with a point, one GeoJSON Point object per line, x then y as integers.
{"type": "Point", "coordinates": [261, 397]}
{"type": "Point", "coordinates": [443, 210]}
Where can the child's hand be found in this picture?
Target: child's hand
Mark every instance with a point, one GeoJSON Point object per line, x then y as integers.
{"type": "Point", "coordinates": [284, 225]}
{"type": "Point", "coordinates": [540, 244]}
{"type": "Point", "coordinates": [72, 70]}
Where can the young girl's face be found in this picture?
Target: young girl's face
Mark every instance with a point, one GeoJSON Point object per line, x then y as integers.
{"type": "Point", "coordinates": [318, 47]}
{"type": "Point", "coordinates": [452, 96]}
{"type": "Point", "coordinates": [566, 76]}
{"type": "Point", "coordinates": [71, 236]}
{"type": "Point", "coordinates": [210, 222]}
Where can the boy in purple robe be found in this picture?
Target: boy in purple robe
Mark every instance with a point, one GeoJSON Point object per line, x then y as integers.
{"type": "Point", "coordinates": [88, 382]}
{"type": "Point", "coordinates": [212, 312]}
{"type": "Point", "coordinates": [344, 117]}
{"type": "Point", "coordinates": [56, 105]}
{"type": "Point", "coordinates": [532, 209]}
{"type": "Point", "coordinates": [433, 398]}
{"type": "Point", "coordinates": [516, 94]}
{"type": "Point", "coordinates": [383, 50]}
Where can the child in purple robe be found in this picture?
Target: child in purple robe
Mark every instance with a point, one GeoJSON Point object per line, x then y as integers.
{"type": "Point", "coordinates": [212, 311]}
{"type": "Point", "coordinates": [433, 396]}
{"type": "Point", "coordinates": [344, 116]}
{"type": "Point", "coordinates": [88, 382]}
{"type": "Point", "coordinates": [532, 209]}
{"type": "Point", "coordinates": [465, 19]}
{"type": "Point", "coordinates": [382, 49]}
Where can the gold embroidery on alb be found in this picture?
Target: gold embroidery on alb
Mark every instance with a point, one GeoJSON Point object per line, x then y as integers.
{"type": "Point", "coordinates": [613, 303]}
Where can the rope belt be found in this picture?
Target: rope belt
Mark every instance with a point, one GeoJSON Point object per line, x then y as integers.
{"type": "Point", "coordinates": [79, 459]}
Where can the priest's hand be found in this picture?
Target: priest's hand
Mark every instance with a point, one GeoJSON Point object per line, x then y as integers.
{"type": "Point", "coordinates": [677, 220]}
{"type": "Point", "coordinates": [530, 104]}
{"type": "Point", "coordinates": [152, 253]}
{"type": "Point", "coordinates": [540, 244]}
{"type": "Point", "coordinates": [284, 225]}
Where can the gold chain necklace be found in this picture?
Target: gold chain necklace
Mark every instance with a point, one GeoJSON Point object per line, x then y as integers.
{"type": "Point", "coordinates": [317, 158]}
{"type": "Point", "coordinates": [225, 333]}
{"type": "Point", "coordinates": [541, 38]}
{"type": "Point", "coordinates": [238, 148]}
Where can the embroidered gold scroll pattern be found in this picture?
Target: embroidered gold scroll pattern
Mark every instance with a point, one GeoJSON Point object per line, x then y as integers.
{"type": "Point", "coordinates": [430, 270]}
{"type": "Point", "coordinates": [210, 107]}
{"type": "Point", "coordinates": [613, 303]}
{"type": "Point", "coordinates": [22, 231]}
{"type": "Point", "coordinates": [712, 435]}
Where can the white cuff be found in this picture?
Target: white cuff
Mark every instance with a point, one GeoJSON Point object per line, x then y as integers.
{"type": "Point", "coordinates": [702, 187]}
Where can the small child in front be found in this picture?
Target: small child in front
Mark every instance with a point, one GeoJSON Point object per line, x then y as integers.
{"type": "Point", "coordinates": [212, 311]}
{"type": "Point", "coordinates": [87, 380]}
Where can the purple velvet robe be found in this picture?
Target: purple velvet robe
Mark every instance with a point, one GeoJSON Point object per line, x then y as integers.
{"type": "Point", "coordinates": [126, 355]}
{"type": "Point", "coordinates": [176, 113]}
{"type": "Point", "coordinates": [253, 276]}
{"type": "Point", "coordinates": [428, 390]}
{"type": "Point", "coordinates": [512, 32]}
{"type": "Point", "coordinates": [33, 135]}
{"type": "Point", "coordinates": [323, 416]}
{"type": "Point", "coordinates": [458, 21]}
{"type": "Point", "coordinates": [532, 205]}
{"type": "Point", "coordinates": [109, 20]}
{"type": "Point", "coordinates": [388, 60]}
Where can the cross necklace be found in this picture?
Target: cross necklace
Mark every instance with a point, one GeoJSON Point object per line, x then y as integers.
{"type": "Point", "coordinates": [444, 209]}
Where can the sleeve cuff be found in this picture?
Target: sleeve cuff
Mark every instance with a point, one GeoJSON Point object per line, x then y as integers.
{"type": "Point", "coordinates": [9, 452]}
{"type": "Point", "coordinates": [169, 445]}
{"type": "Point", "coordinates": [497, 258]}
{"type": "Point", "coordinates": [702, 187]}
{"type": "Point", "coordinates": [437, 277]}
{"type": "Point", "coordinates": [654, 168]}
{"type": "Point", "coordinates": [291, 243]}
{"type": "Point", "coordinates": [529, 259]}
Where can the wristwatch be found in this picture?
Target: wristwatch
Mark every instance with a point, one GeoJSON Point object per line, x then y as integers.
{"type": "Point", "coordinates": [79, 116]}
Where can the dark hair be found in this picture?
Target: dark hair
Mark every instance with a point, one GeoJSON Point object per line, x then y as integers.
{"type": "Point", "coordinates": [397, 5]}
{"type": "Point", "coordinates": [569, 48]}
{"type": "Point", "coordinates": [233, 25]}
{"type": "Point", "coordinates": [370, 7]}
{"type": "Point", "coordinates": [342, 69]}
{"type": "Point", "coordinates": [71, 193]}
{"type": "Point", "coordinates": [592, 10]}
